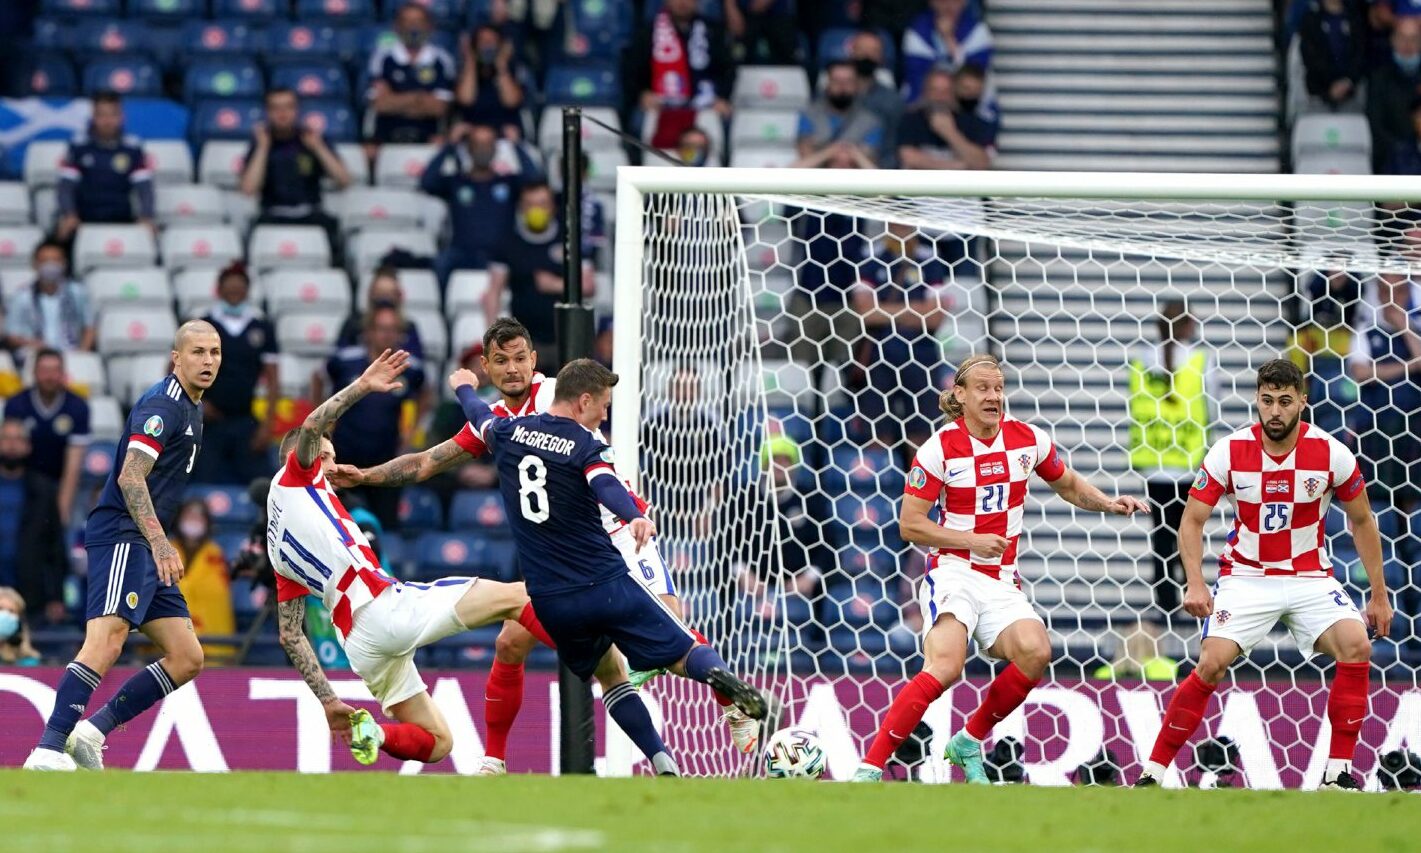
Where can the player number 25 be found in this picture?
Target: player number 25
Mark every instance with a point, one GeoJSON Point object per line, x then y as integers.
{"type": "Point", "coordinates": [1275, 517]}
{"type": "Point", "coordinates": [532, 489]}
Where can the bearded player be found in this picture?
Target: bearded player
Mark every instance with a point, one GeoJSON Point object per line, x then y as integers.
{"type": "Point", "coordinates": [511, 364]}
{"type": "Point", "coordinates": [1280, 474]}
{"type": "Point", "coordinates": [976, 469]}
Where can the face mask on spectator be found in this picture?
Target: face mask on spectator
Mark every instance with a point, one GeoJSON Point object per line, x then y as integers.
{"type": "Point", "coordinates": [841, 102]}
{"type": "Point", "coordinates": [968, 105]}
{"type": "Point", "coordinates": [51, 271]}
{"type": "Point", "coordinates": [537, 218]}
{"type": "Point", "coordinates": [9, 625]}
{"type": "Point", "coordinates": [1409, 64]}
{"type": "Point", "coordinates": [693, 155]}
{"type": "Point", "coordinates": [234, 310]}
{"type": "Point", "coordinates": [193, 529]}
{"type": "Point", "coordinates": [11, 462]}
{"type": "Point", "coordinates": [865, 67]}
{"type": "Point", "coordinates": [414, 38]}
{"type": "Point", "coordinates": [487, 55]}
{"type": "Point", "coordinates": [482, 157]}
{"type": "Point", "coordinates": [377, 304]}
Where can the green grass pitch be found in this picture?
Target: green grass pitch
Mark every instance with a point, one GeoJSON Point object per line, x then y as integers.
{"type": "Point", "coordinates": [116, 811]}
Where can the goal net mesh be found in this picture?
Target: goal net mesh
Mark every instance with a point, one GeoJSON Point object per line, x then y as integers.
{"type": "Point", "coordinates": [791, 353]}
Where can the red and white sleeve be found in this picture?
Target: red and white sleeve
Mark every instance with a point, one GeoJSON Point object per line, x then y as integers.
{"type": "Point", "coordinates": [1049, 465]}
{"type": "Point", "coordinates": [1347, 481]}
{"type": "Point", "coordinates": [1212, 481]}
{"type": "Point", "coordinates": [469, 441]}
{"type": "Point", "coordinates": [925, 477]}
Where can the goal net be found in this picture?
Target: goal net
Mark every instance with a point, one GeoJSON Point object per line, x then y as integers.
{"type": "Point", "coordinates": [782, 337]}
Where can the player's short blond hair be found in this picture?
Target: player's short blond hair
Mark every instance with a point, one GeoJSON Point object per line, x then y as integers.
{"type": "Point", "coordinates": [947, 401]}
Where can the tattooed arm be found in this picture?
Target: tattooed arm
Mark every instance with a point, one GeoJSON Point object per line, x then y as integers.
{"type": "Point", "coordinates": [133, 484]}
{"type": "Point", "coordinates": [1076, 490]}
{"type": "Point", "coordinates": [379, 377]}
{"type": "Point", "coordinates": [291, 627]}
{"type": "Point", "coordinates": [403, 470]}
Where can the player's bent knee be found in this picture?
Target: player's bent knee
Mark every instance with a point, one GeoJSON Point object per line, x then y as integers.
{"type": "Point", "coordinates": [513, 644]}
{"type": "Point", "coordinates": [1033, 659]}
{"type": "Point", "coordinates": [946, 672]}
{"type": "Point", "coordinates": [443, 743]}
{"type": "Point", "coordinates": [1354, 649]}
{"type": "Point", "coordinates": [185, 665]}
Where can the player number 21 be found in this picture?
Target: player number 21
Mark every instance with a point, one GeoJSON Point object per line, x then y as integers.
{"type": "Point", "coordinates": [994, 498]}
{"type": "Point", "coordinates": [532, 489]}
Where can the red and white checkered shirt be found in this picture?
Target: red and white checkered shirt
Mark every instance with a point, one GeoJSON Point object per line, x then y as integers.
{"type": "Point", "coordinates": [1279, 502]}
{"type": "Point", "coordinates": [980, 487]}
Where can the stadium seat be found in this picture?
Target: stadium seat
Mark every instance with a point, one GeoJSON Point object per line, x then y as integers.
{"type": "Point", "coordinates": [296, 372]}
{"type": "Point", "coordinates": [53, 34]}
{"type": "Point", "coordinates": [379, 207]}
{"type": "Point", "coordinates": [1333, 163]}
{"type": "Point", "coordinates": [445, 13]}
{"type": "Point", "coordinates": [225, 119]}
{"type": "Point", "coordinates": [468, 326]}
{"type": "Point", "coordinates": [261, 11]}
{"type": "Point", "coordinates": [106, 422]}
{"type": "Point", "coordinates": [307, 290]}
{"type": "Point", "coordinates": [15, 204]}
{"type": "Point", "coordinates": [190, 204]}
{"type": "Point", "coordinates": [312, 78]}
{"type": "Point", "coordinates": [145, 286]}
{"type": "Point", "coordinates": [433, 332]}
{"type": "Point", "coordinates": [763, 157]}
{"type": "Point", "coordinates": [439, 555]}
{"type": "Point", "coordinates": [230, 506]}
{"type": "Point", "coordinates": [130, 375]}
{"type": "Point", "coordinates": [53, 76]}
{"type": "Point", "coordinates": [866, 470]}
{"type": "Point", "coordinates": [371, 245]}
{"type": "Point", "coordinates": [289, 40]}
{"type": "Point", "coordinates": [337, 12]}
{"type": "Point", "coordinates": [420, 287]}
{"type": "Point", "coordinates": [599, 29]}
{"type": "Point", "coordinates": [166, 11]}
{"type": "Point", "coordinates": [593, 137]}
{"type": "Point", "coordinates": [170, 159]}
{"type": "Point", "coordinates": [75, 9]}
{"type": "Point", "coordinates": [602, 166]}
{"type": "Point", "coordinates": [309, 333]}
{"type": "Point", "coordinates": [98, 457]}
{"type": "Point", "coordinates": [334, 120]}
{"type": "Point", "coordinates": [84, 372]}
{"type": "Point", "coordinates": [402, 165]}
{"type": "Point", "coordinates": [356, 163]}
{"type": "Point", "coordinates": [1322, 133]}
{"type": "Point", "coordinates": [466, 292]}
{"type": "Point", "coordinates": [195, 290]}
{"type": "Point", "coordinates": [14, 277]}
{"type": "Point", "coordinates": [775, 128]}
{"type": "Point", "coordinates": [128, 331]}
{"type": "Point", "coordinates": [217, 77]}
{"type": "Point", "coordinates": [42, 159]}
{"type": "Point", "coordinates": [221, 163]}
{"type": "Point", "coordinates": [289, 247]}
{"type": "Point", "coordinates": [584, 84]}
{"type": "Point", "coordinates": [131, 75]}
{"type": "Point", "coordinates": [241, 209]}
{"type": "Point", "coordinates": [110, 36]}
{"type": "Point", "coordinates": [420, 509]}
{"type": "Point", "coordinates": [867, 519]}
{"type": "Point", "coordinates": [433, 213]}
{"type": "Point", "coordinates": [229, 37]}
{"type": "Point", "coordinates": [479, 509]}
{"type": "Point", "coordinates": [200, 246]}
{"type": "Point", "coordinates": [774, 87]}
{"type": "Point", "coordinates": [125, 246]}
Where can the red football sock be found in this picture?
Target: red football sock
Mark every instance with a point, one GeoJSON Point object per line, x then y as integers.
{"type": "Point", "coordinates": [503, 697]}
{"type": "Point", "coordinates": [721, 699]}
{"type": "Point", "coordinates": [1004, 695]}
{"type": "Point", "coordinates": [528, 619]}
{"type": "Point", "coordinates": [1347, 707]}
{"type": "Point", "coordinates": [1181, 718]}
{"type": "Point", "coordinates": [407, 742]}
{"type": "Point", "coordinates": [903, 716]}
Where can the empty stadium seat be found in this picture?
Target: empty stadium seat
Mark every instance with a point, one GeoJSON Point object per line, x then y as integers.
{"type": "Point", "coordinates": [371, 245]}
{"type": "Point", "coordinates": [136, 330]}
{"type": "Point", "coordinates": [221, 163]}
{"type": "Point", "coordinates": [144, 286]}
{"type": "Point", "coordinates": [402, 165]}
{"type": "Point", "coordinates": [42, 159]}
{"type": "Point", "coordinates": [356, 163]}
{"type": "Point", "coordinates": [600, 29]}
{"type": "Point", "coordinates": [296, 371]}
{"type": "Point", "coordinates": [334, 120]}
{"type": "Point", "coordinates": [262, 11]}
{"type": "Point", "coordinates": [241, 209]}
{"type": "Point", "coordinates": [75, 9]}
{"type": "Point", "coordinates": [46, 201]}
{"type": "Point", "coordinates": [420, 509]}
{"type": "Point", "coordinates": [95, 37]}
{"type": "Point", "coordinates": [1321, 133]}
{"type": "Point", "coordinates": [106, 421]}
{"type": "Point", "coordinates": [15, 204]}
{"type": "Point", "coordinates": [132, 75]}
{"type": "Point", "coordinates": [98, 456]}
{"type": "Point", "coordinates": [230, 506]}
{"type": "Point", "coordinates": [222, 77]}
{"type": "Point", "coordinates": [550, 129]}
{"type": "Point", "coordinates": [479, 509]}
{"type": "Point", "coordinates": [468, 327]}
{"type": "Point", "coordinates": [170, 159]}
{"type": "Point", "coordinates": [763, 157]}
{"type": "Point", "coordinates": [196, 290]}
{"type": "Point", "coordinates": [53, 76]}
{"type": "Point", "coordinates": [764, 127]}
{"type": "Point", "coordinates": [602, 166]}
{"type": "Point", "coordinates": [379, 207]}
{"type": "Point", "coordinates": [338, 12]}
{"type": "Point", "coordinates": [307, 290]}
{"type": "Point", "coordinates": [440, 555]}
{"type": "Point", "coordinates": [1333, 163]}
{"type": "Point", "coordinates": [190, 204]}
{"type": "Point", "coordinates": [200, 245]}
{"type": "Point", "coordinates": [225, 119]}
{"type": "Point", "coordinates": [433, 332]}
{"type": "Point", "coordinates": [131, 375]}
{"type": "Point", "coordinates": [53, 34]}
{"type": "Point", "coordinates": [14, 277]}
{"type": "Point", "coordinates": [466, 292]}
{"type": "Point", "coordinates": [113, 246]}
{"type": "Point", "coordinates": [420, 287]}
{"type": "Point", "coordinates": [163, 11]}
{"type": "Point", "coordinates": [312, 78]}
{"type": "Point", "coordinates": [220, 38]}
{"type": "Point", "coordinates": [289, 246]}
{"type": "Point", "coordinates": [308, 333]}
{"type": "Point", "coordinates": [288, 40]}
{"type": "Point", "coordinates": [776, 87]}
{"type": "Point", "coordinates": [444, 12]}
{"type": "Point", "coordinates": [584, 84]}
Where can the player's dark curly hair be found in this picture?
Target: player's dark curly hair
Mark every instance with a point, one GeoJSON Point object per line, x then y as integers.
{"type": "Point", "coordinates": [504, 331]}
{"type": "Point", "coordinates": [583, 376]}
{"type": "Point", "coordinates": [947, 401]}
{"type": "Point", "coordinates": [1281, 373]}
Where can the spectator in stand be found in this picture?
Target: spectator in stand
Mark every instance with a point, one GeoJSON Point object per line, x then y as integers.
{"type": "Point", "coordinates": [694, 147]}
{"type": "Point", "coordinates": [836, 130]}
{"type": "Point", "coordinates": [1385, 362]}
{"type": "Point", "coordinates": [376, 429]}
{"type": "Point", "coordinates": [938, 133]}
{"type": "Point", "coordinates": [823, 326]}
{"type": "Point", "coordinates": [529, 265]}
{"type": "Point", "coordinates": [57, 421]}
{"type": "Point", "coordinates": [1331, 306]}
{"type": "Point", "coordinates": [236, 447]}
{"type": "Point", "coordinates": [763, 31]}
{"type": "Point", "coordinates": [15, 646]}
{"type": "Point", "coordinates": [480, 200]}
{"type": "Point", "coordinates": [54, 311]}
{"type": "Point", "coordinates": [1392, 87]}
{"type": "Point", "coordinates": [880, 98]}
{"type": "Point", "coordinates": [33, 558]}
{"type": "Point", "coordinates": [681, 442]}
{"type": "Point", "coordinates": [102, 171]}
{"type": "Point", "coordinates": [205, 584]}
{"type": "Point", "coordinates": [1405, 157]}
{"type": "Point", "coordinates": [676, 66]}
{"type": "Point", "coordinates": [384, 292]}
{"type": "Point", "coordinates": [492, 82]}
{"type": "Point", "coordinates": [949, 33]}
{"type": "Point", "coordinates": [285, 165]}
{"type": "Point", "coordinates": [1333, 39]}
{"type": "Point", "coordinates": [411, 82]}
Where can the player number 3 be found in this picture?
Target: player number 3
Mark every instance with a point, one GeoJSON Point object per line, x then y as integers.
{"type": "Point", "coordinates": [532, 480]}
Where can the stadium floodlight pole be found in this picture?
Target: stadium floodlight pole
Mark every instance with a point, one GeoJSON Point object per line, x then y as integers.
{"type": "Point", "coordinates": [574, 331]}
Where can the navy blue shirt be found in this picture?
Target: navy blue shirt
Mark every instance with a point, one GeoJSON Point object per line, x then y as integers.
{"type": "Point", "coordinates": [248, 345]}
{"type": "Point", "coordinates": [915, 131]}
{"type": "Point", "coordinates": [545, 463]}
{"type": "Point", "coordinates": [432, 70]}
{"type": "Point", "coordinates": [293, 178]}
{"type": "Point", "coordinates": [167, 424]}
{"type": "Point", "coordinates": [97, 178]}
{"type": "Point", "coordinates": [524, 254]}
{"type": "Point", "coordinates": [488, 107]}
{"type": "Point", "coordinates": [12, 512]}
{"type": "Point", "coordinates": [53, 428]}
{"type": "Point", "coordinates": [480, 209]}
{"type": "Point", "coordinates": [369, 433]}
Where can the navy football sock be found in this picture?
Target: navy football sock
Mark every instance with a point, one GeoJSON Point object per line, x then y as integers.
{"type": "Point", "coordinates": [625, 707]}
{"type": "Point", "coordinates": [139, 693]}
{"type": "Point", "coordinates": [75, 687]}
{"type": "Point", "coordinates": [701, 660]}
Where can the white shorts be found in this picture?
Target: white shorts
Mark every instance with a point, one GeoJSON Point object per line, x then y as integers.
{"type": "Point", "coordinates": [645, 565]}
{"type": "Point", "coordinates": [1246, 609]}
{"type": "Point", "coordinates": [387, 631]}
{"type": "Point", "coordinates": [986, 606]}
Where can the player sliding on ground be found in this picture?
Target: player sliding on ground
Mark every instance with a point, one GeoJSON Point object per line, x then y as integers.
{"type": "Point", "coordinates": [511, 364]}
{"type": "Point", "coordinates": [976, 469]}
{"type": "Point", "coordinates": [1280, 474]}
{"type": "Point", "coordinates": [555, 475]}
{"type": "Point", "coordinates": [317, 549]}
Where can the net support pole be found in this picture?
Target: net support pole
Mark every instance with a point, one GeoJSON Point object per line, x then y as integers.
{"type": "Point", "coordinates": [574, 330]}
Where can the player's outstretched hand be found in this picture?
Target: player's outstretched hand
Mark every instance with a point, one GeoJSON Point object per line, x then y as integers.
{"type": "Point", "coordinates": [346, 477]}
{"type": "Point", "coordinates": [461, 377]}
{"type": "Point", "coordinates": [170, 563]}
{"type": "Point", "coordinates": [1198, 601]}
{"type": "Point", "coordinates": [642, 531]}
{"type": "Point", "coordinates": [989, 545]}
{"type": "Point", "coordinates": [1379, 614]}
{"type": "Point", "coordinates": [380, 376]}
{"type": "Point", "coordinates": [338, 718]}
{"type": "Point", "coordinates": [1126, 505]}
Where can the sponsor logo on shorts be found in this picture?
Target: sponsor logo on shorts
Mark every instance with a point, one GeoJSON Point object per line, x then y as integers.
{"type": "Point", "coordinates": [153, 426]}
{"type": "Point", "coordinates": [1221, 617]}
{"type": "Point", "coordinates": [131, 600]}
{"type": "Point", "coordinates": [1202, 480]}
{"type": "Point", "coordinates": [917, 478]}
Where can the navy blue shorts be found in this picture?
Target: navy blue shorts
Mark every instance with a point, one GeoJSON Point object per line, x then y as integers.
{"type": "Point", "coordinates": [123, 581]}
{"type": "Point", "coordinates": [623, 611]}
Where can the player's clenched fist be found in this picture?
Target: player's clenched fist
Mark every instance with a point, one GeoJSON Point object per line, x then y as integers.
{"type": "Point", "coordinates": [1198, 601]}
{"type": "Point", "coordinates": [989, 545]}
{"type": "Point", "coordinates": [170, 563]}
{"type": "Point", "coordinates": [461, 377]}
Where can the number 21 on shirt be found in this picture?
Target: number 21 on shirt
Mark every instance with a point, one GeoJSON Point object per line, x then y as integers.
{"type": "Point", "coordinates": [994, 498]}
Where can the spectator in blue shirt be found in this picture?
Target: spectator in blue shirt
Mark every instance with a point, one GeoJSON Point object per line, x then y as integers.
{"type": "Point", "coordinates": [33, 556]}
{"type": "Point", "coordinates": [54, 311]}
{"type": "Point", "coordinates": [763, 30]}
{"type": "Point", "coordinates": [384, 292]}
{"type": "Point", "coordinates": [836, 130]}
{"type": "Point", "coordinates": [1333, 41]}
{"type": "Point", "coordinates": [1394, 83]}
{"type": "Point", "coordinates": [411, 82]}
{"type": "Point", "coordinates": [235, 446]}
{"type": "Point", "coordinates": [938, 133]}
{"type": "Point", "coordinates": [492, 82]}
{"type": "Point", "coordinates": [948, 33]}
{"type": "Point", "coordinates": [1405, 157]}
{"type": "Point", "coordinates": [480, 200]}
{"type": "Point", "coordinates": [57, 421]}
{"type": "Point", "coordinates": [102, 171]}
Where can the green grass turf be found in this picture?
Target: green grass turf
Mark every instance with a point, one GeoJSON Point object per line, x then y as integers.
{"type": "Point", "coordinates": [118, 811]}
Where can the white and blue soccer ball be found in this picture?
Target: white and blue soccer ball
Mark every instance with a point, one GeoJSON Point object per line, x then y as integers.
{"type": "Point", "coordinates": [794, 754]}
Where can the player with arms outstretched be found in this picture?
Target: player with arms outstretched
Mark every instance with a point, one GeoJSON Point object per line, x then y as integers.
{"type": "Point", "coordinates": [1280, 474]}
{"type": "Point", "coordinates": [976, 470]}
{"type": "Point", "coordinates": [555, 475]}
{"type": "Point", "coordinates": [511, 364]}
{"type": "Point", "coordinates": [317, 549]}
{"type": "Point", "coordinates": [133, 568]}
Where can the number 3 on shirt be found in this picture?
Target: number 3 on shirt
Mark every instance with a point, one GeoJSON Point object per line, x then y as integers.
{"type": "Point", "coordinates": [1275, 517]}
{"type": "Point", "coordinates": [994, 498]}
{"type": "Point", "coordinates": [532, 480]}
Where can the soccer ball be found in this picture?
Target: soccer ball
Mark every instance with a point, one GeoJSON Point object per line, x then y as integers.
{"type": "Point", "coordinates": [794, 754]}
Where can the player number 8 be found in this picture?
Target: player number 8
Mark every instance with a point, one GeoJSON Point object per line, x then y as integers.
{"type": "Point", "coordinates": [532, 479]}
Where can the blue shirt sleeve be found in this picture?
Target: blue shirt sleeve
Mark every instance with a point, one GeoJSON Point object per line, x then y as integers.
{"type": "Point", "coordinates": [81, 422]}
{"type": "Point", "coordinates": [154, 423]}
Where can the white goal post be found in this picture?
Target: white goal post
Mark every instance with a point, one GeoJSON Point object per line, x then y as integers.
{"type": "Point", "coordinates": [752, 336]}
